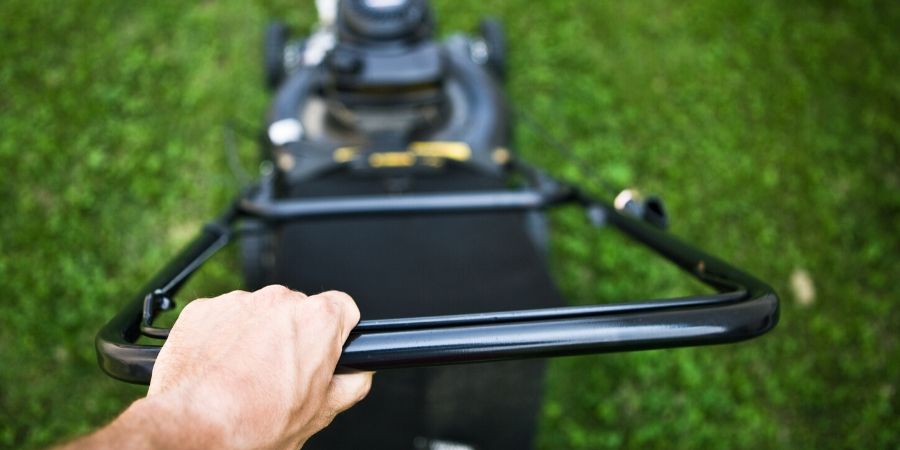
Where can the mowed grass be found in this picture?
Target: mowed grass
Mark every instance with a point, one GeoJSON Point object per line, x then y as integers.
{"type": "Point", "coordinates": [771, 129]}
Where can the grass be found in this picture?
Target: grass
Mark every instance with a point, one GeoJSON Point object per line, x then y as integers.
{"type": "Point", "coordinates": [772, 130]}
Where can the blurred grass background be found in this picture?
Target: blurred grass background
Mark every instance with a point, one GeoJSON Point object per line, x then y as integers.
{"type": "Point", "coordinates": [771, 128]}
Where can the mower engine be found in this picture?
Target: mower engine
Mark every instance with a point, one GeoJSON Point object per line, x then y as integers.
{"type": "Point", "coordinates": [374, 90]}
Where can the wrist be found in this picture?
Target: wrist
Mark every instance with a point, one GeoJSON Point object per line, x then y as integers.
{"type": "Point", "coordinates": [168, 421]}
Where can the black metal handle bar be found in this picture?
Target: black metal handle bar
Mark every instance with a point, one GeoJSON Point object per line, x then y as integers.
{"type": "Point", "coordinates": [744, 308]}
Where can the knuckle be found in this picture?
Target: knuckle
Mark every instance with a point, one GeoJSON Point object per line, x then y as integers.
{"type": "Point", "coordinates": [344, 301]}
{"type": "Point", "coordinates": [232, 297]}
{"type": "Point", "coordinates": [325, 305]}
{"type": "Point", "coordinates": [337, 295]}
{"type": "Point", "coordinates": [274, 289]}
{"type": "Point", "coordinates": [276, 292]}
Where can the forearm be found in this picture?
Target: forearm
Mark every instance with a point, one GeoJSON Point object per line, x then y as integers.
{"type": "Point", "coordinates": [151, 424]}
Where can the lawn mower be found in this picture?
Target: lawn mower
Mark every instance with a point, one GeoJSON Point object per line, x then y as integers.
{"type": "Point", "coordinates": [389, 175]}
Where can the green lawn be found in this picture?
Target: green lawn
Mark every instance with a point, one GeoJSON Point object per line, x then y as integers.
{"type": "Point", "coordinates": [772, 129]}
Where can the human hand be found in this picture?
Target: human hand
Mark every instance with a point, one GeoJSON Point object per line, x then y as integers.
{"type": "Point", "coordinates": [252, 370]}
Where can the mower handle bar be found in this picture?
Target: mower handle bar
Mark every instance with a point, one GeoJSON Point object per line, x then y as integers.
{"type": "Point", "coordinates": [743, 308]}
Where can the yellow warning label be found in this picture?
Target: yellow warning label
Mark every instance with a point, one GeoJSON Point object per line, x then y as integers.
{"type": "Point", "coordinates": [431, 153]}
{"type": "Point", "coordinates": [392, 159]}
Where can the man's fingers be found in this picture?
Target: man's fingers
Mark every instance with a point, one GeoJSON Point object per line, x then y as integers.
{"type": "Point", "coordinates": [346, 390]}
{"type": "Point", "coordinates": [347, 309]}
{"type": "Point", "coordinates": [322, 325]}
{"type": "Point", "coordinates": [331, 310]}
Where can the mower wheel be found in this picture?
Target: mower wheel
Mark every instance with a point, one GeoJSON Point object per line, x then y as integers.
{"type": "Point", "coordinates": [491, 31]}
{"type": "Point", "coordinates": [275, 40]}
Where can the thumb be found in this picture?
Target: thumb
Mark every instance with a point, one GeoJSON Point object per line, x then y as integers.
{"type": "Point", "coordinates": [347, 389]}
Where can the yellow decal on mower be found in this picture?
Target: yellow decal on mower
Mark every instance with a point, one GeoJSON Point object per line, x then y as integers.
{"type": "Point", "coordinates": [432, 153]}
